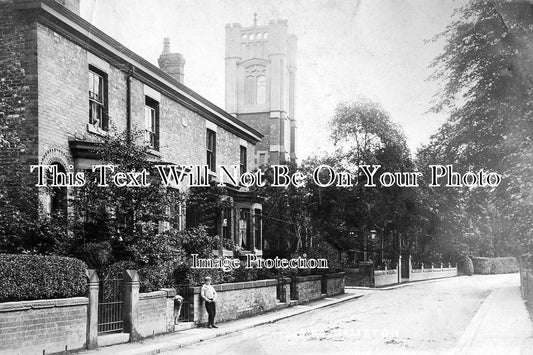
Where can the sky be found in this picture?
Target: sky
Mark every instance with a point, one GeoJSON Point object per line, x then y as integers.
{"type": "Point", "coordinates": [346, 49]}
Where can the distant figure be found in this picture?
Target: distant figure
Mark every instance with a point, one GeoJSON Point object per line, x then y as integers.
{"type": "Point", "coordinates": [209, 295]}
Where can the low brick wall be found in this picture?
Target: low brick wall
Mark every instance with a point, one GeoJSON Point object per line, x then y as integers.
{"type": "Point", "coordinates": [155, 312]}
{"type": "Point", "coordinates": [385, 277]}
{"type": "Point", "coordinates": [335, 283]}
{"type": "Point", "coordinates": [238, 300]}
{"type": "Point", "coordinates": [355, 278]}
{"type": "Point", "coordinates": [308, 288]}
{"type": "Point", "coordinates": [43, 326]}
{"type": "Point", "coordinates": [428, 274]}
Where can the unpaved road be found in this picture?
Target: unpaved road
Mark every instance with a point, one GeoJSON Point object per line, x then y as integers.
{"type": "Point", "coordinates": [425, 318]}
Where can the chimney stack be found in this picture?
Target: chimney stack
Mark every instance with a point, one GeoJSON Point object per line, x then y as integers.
{"type": "Point", "coordinates": [172, 63]}
{"type": "Point", "coordinates": [72, 5]}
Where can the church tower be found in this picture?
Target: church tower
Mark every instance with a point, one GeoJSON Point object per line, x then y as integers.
{"type": "Point", "coordinates": [260, 85]}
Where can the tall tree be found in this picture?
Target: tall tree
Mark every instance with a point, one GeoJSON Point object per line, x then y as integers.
{"type": "Point", "coordinates": [486, 71]}
{"type": "Point", "coordinates": [364, 134]}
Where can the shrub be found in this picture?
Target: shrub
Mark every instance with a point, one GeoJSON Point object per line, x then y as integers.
{"type": "Point", "coordinates": [97, 255]}
{"type": "Point", "coordinates": [465, 266]}
{"type": "Point", "coordinates": [151, 277]}
{"type": "Point", "coordinates": [185, 275]}
{"type": "Point", "coordinates": [243, 274]}
{"type": "Point", "coordinates": [481, 265]}
{"type": "Point", "coordinates": [31, 277]}
{"type": "Point", "coordinates": [486, 266]}
{"type": "Point", "coordinates": [323, 249]}
{"type": "Point", "coordinates": [156, 277]}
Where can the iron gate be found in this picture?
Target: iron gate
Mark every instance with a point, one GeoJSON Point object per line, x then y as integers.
{"type": "Point", "coordinates": [324, 284]}
{"type": "Point", "coordinates": [293, 289]}
{"type": "Point", "coordinates": [110, 302]}
{"type": "Point", "coordinates": [187, 306]}
{"type": "Point", "coordinates": [280, 289]}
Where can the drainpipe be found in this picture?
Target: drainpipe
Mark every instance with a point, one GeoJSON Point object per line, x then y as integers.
{"type": "Point", "coordinates": [129, 75]}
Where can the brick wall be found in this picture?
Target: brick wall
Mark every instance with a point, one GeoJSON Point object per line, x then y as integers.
{"type": "Point", "coordinates": [64, 107]}
{"type": "Point", "coordinates": [63, 103]}
{"type": "Point", "coordinates": [155, 313]}
{"type": "Point", "coordinates": [261, 122]}
{"type": "Point", "coordinates": [335, 283]}
{"type": "Point", "coordinates": [238, 300]}
{"type": "Point", "coordinates": [60, 101]}
{"type": "Point", "coordinates": [43, 326]}
{"type": "Point", "coordinates": [18, 87]}
{"type": "Point", "coordinates": [183, 137]}
{"type": "Point", "coordinates": [63, 93]}
{"type": "Point", "coordinates": [309, 288]}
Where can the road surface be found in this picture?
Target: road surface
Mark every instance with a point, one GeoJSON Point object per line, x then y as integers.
{"type": "Point", "coordinates": [465, 315]}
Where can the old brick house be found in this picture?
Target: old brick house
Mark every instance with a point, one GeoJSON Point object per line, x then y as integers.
{"type": "Point", "coordinates": [68, 83]}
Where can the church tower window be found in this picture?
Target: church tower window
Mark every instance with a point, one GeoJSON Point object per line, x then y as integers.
{"type": "Point", "coordinates": [261, 90]}
{"type": "Point", "coordinates": [255, 85]}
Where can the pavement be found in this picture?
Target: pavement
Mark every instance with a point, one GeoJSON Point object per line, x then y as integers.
{"type": "Point", "coordinates": [168, 342]}
{"type": "Point", "coordinates": [501, 325]}
{"type": "Point", "coordinates": [496, 322]}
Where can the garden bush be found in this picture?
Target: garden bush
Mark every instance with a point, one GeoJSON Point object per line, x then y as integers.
{"type": "Point", "coordinates": [486, 266]}
{"type": "Point", "coordinates": [151, 277]}
{"type": "Point", "coordinates": [465, 266]}
{"type": "Point", "coordinates": [32, 277]}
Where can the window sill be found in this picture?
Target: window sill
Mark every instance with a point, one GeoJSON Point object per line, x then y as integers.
{"type": "Point", "coordinates": [96, 130]}
{"type": "Point", "coordinates": [223, 253]}
{"type": "Point", "coordinates": [226, 252]}
{"type": "Point", "coordinates": [153, 152]}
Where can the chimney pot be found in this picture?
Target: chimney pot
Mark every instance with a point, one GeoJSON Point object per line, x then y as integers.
{"type": "Point", "coordinates": [171, 63]}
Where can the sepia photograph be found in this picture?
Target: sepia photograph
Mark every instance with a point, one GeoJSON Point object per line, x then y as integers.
{"type": "Point", "coordinates": [266, 177]}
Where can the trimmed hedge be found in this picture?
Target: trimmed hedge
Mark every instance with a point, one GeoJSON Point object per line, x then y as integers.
{"type": "Point", "coordinates": [33, 277]}
{"type": "Point", "coordinates": [486, 266]}
{"type": "Point", "coordinates": [465, 266]}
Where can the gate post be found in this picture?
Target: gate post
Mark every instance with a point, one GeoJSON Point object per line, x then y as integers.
{"type": "Point", "coordinates": [399, 268]}
{"type": "Point", "coordinates": [92, 310]}
{"type": "Point", "coordinates": [131, 302]}
{"type": "Point", "coordinates": [287, 289]}
{"type": "Point", "coordinates": [410, 267]}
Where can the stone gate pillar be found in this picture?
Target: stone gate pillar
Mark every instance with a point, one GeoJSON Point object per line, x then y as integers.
{"type": "Point", "coordinates": [410, 266]}
{"type": "Point", "coordinates": [399, 268]}
{"type": "Point", "coordinates": [92, 309]}
{"type": "Point", "coordinates": [131, 303]}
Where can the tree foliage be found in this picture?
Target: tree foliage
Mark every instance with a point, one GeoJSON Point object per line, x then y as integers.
{"type": "Point", "coordinates": [315, 218]}
{"type": "Point", "coordinates": [486, 70]}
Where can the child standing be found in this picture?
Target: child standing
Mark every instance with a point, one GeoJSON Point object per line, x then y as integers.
{"type": "Point", "coordinates": [209, 295]}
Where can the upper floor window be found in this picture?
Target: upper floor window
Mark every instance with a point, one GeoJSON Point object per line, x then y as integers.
{"type": "Point", "coordinates": [262, 159]}
{"type": "Point", "coordinates": [98, 99]}
{"type": "Point", "coordinates": [243, 159]}
{"type": "Point", "coordinates": [211, 143]}
{"type": "Point", "coordinates": [151, 122]}
{"type": "Point", "coordinates": [255, 89]}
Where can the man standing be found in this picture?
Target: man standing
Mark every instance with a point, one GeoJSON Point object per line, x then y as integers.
{"type": "Point", "coordinates": [209, 295]}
